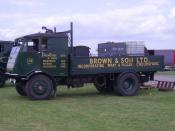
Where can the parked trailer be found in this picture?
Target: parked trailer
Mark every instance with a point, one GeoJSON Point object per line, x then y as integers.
{"type": "Point", "coordinates": [5, 48]}
{"type": "Point", "coordinates": [49, 61]}
{"type": "Point", "coordinates": [169, 56]}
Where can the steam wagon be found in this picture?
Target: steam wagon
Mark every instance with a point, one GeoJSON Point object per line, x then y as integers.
{"type": "Point", "coordinates": [44, 61]}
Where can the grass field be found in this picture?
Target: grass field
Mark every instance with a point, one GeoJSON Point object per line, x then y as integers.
{"type": "Point", "coordinates": [166, 73]}
{"type": "Point", "coordinates": [85, 109]}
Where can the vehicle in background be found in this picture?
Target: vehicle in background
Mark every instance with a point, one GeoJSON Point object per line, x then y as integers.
{"type": "Point", "coordinates": [5, 49]}
{"type": "Point", "coordinates": [169, 57]}
{"type": "Point", "coordinates": [135, 48]}
{"type": "Point", "coordinates": [45, 60]}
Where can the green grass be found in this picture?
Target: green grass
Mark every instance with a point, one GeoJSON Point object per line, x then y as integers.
{"type": "Point", "coordinates": [166, 73]}
{"type": "Point", "coordinates": [84, 109]}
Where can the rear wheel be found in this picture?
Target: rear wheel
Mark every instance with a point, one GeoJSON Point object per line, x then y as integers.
{"type": "Point", "coordinates": [40, 87]}
{"type": "Point", "coordinates": [2, 80]}
{"type": "Point", "coordinates": [127, 84]}
{"type": "Point", "coordinates": [20, 88]}
{"type": "Point", "coordinates": [103, 84]}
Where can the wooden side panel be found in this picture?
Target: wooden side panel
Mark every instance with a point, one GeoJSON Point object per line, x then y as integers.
{"type": "Point", "coordinates": [96, 65]}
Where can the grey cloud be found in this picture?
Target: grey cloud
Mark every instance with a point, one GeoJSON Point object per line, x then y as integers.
{"type": "Point", "coordinates": [147, 21]}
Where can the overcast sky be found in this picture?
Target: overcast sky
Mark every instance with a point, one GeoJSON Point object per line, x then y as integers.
{"type": "Point", "coordinates": [152, 21]}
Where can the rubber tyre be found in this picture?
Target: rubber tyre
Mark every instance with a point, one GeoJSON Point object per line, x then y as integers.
{"type": "Point", "coordinates": [2, 81]}
{"type": "Point", "coordinates": [20, 88]}
{"type": "Point", "coordinates": [106, 87]}
{"type": "Point", "coordinates": [127, 85]}
{"type": "Point", "coordinates": [39, 87]}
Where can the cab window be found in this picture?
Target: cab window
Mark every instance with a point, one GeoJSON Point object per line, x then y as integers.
{"type": "Point", "coordinates": [33, 45]}
{"type": "Point", "coordinates": [44, 44]}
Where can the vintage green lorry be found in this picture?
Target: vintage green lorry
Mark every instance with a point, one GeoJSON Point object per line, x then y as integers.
{"type": "Point", "coordinates": [5, 49]}
{"type": "Point", "coordinates": [43, 61]}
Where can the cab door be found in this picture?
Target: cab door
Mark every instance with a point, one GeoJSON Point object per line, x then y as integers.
{"type": "Point", "coordinates": [54, 58]}
{"type": "Point", "coordinates": [30, 57]}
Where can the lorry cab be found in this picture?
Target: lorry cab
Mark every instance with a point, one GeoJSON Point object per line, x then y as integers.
{"type": "Point", "coordinates": [46, 52]}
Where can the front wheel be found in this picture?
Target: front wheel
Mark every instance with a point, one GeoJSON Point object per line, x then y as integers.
{"type": "Point", "coordinates": [20, 88]}
{"type": "Point", "coordinates": [2, 81]}
{"type": "Point", "coordinates": [127, 84]}
{"type": "Point", "coordinates": [39, 87]}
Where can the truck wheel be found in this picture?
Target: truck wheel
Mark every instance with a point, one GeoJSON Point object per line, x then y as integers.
{"type": "Point", "coordinates": [2, 81]}
{"type": "Point", "coordinates": [127, 84]}
{"type": "Point", "coordinates": [39, 87]}
{"type": "Point", "coordinates": [20, 88]}
{"type": "Point", "coordinates": [103, 85]}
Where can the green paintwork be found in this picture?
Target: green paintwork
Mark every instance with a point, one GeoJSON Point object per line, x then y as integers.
{"type": "Point", "coordinates": [83, 65]}
{"type": "Point", "coordinates": [23, 66]}
{"type": "Point", "coordinates": [53, 61]}
{"type": "Point", "coordinates": [59, 48]}
{"type": "Point", "coordinates": [56, 58]}
{"type": "Point", "coordinates": [58, 52]}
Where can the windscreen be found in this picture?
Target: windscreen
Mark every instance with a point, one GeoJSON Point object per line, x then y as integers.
{"type": "Point", "coordinates": [13, 57]}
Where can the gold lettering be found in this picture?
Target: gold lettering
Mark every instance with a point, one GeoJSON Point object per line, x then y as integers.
{"type": "Point", "coordinates": [109, 60]}
{"type": "Point", "coordinates": [116, 61]}
{"type": "Point", "coordinates": [105, 60]}
{"type": "Point", "coordinates": [122, 60]}
{"type": "Point", "coordinates": [145, 60]}
{"type": "Point", "coordinates": [100, 60]}
{"type": "Point", "coordinates": [95, 61]}
{"type": "Point", "coordinates": [91, 61]}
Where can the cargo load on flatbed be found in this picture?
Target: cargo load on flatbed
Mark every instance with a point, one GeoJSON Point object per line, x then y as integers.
{"type": "Point", "coordinates": [129, 48]}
